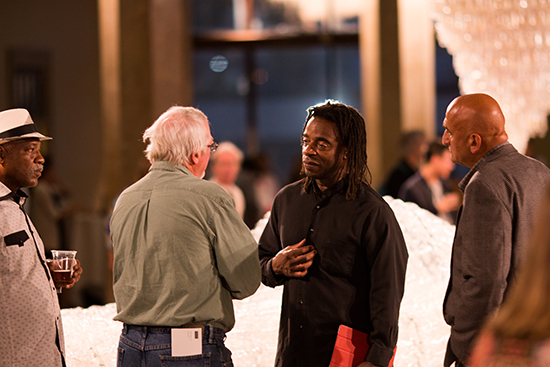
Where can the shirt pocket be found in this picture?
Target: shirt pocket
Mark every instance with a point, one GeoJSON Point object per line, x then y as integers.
{"type": "Point", "coordinates": [17, 238]}
{"type": "Point", "coordinates": [338, 257]}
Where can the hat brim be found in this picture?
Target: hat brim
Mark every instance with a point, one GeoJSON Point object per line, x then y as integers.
{"type": "Point", "coordinates": [35, 135]}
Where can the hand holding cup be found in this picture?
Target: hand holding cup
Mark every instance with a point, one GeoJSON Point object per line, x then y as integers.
{"type": "Point", "coordinates": [65, 269]}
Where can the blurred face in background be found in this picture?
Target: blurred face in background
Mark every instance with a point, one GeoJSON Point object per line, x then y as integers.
{"type": "Point", "coordinates": [417, 154]}
{"type": "Point", "coordinates": [225, 167]}
{"type": "Point", "coordinates": [445, 165]}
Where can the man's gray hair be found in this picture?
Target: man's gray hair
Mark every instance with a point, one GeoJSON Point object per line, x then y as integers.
{"type": "Point", "coordinates": [176, 135]}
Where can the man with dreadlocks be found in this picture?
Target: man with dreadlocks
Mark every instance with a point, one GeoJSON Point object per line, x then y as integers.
{"type": "Point", "coordinates": [335, 245]}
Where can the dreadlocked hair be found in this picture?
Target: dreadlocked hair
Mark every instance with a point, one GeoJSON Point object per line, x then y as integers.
{"type": "Point", "coordinates": [351, 127]}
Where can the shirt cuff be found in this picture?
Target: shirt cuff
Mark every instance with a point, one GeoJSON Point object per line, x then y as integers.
{"type": "Point", "coordinates": [272, 278]}
{"type": "Point", "coordinates": [379, 356]}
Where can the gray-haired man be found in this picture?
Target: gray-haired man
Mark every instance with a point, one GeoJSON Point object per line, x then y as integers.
{"type": "Point", "coordinates": [181, 252]}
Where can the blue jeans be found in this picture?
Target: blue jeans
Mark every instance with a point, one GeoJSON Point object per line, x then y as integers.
{"type": "Point", "coordinates": [143, 346]}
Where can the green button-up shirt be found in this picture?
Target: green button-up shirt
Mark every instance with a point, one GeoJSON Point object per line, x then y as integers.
{"type": "Point", "coordinates": [181, 251]}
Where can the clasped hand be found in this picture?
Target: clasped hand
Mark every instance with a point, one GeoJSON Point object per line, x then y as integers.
{"type": "Point", "coordinates": [294, 260]}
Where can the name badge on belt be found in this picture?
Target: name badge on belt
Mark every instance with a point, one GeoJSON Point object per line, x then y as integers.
{"type": "Point", "coordinates": [186, 342]}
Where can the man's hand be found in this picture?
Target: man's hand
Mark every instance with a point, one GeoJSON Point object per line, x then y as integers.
{"type": "Point", "coordinates": [448, 203]}
{"type": "Point", "coordinates": [76, 275]}
{"type": "Point", "coordinates": [77, 271]}
{"type": "Point", "coordinates": [294, 260]}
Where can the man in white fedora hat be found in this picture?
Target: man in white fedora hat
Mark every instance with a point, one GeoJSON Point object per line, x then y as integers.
{"type": "Point", "coordinates": [32, 334]}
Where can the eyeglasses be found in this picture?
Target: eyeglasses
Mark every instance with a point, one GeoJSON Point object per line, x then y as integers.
{"type": "Point", "coordinates": [213, 146]}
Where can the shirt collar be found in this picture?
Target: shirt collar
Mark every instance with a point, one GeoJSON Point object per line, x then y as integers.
{"type": "Point", "coordinates": [7, 194]}
{"type": "Point", "coordinates": [490, 156]}
{"type": "Point", "coordinates": [167, 166]}
{"type": "Point", "coordinates": [339, 187]}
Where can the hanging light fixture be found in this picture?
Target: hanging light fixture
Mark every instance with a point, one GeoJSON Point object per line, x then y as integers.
{"type": "Point", "coordinates": [502, 48]}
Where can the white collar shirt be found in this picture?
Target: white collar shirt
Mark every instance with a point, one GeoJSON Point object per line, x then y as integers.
{"type": "Point", "coordinates": [32, 334]}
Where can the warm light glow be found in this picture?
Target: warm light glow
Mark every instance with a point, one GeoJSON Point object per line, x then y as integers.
{"type": "Point", "coordinates": [327, 11]}
{"type": "Point", "coordinates": [502, 48]}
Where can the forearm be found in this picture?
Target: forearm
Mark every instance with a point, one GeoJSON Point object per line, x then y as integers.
{"type": "Point", "coordinates": [236, 257]}
{"type": "Point", "coordinates": [245, 279]}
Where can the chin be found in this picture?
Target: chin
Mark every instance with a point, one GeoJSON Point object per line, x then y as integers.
{"type": "Point", "coordinates": [309, 174]}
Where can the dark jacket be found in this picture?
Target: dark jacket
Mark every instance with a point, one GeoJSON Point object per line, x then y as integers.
{"type": "Point", "coordinates": [501, 196]}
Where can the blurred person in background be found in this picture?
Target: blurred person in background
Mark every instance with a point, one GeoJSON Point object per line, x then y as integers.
{"type": "Point", "coordinates": [50, 208]}
{"type": "Point", "coordinates": [428, 187]}
{"type": "Point", "coordinates": [259, 185]}
{"type": "Point", "coordinates": [225, 164]}
{"type": "Point", "coordinates": [519, 334]}
{"type": "Point", "coordinates": [245, 181]}
{"type": "Point", "coordinates": [412, 146]}
{"type": "Point", "coordinates": [266, 183]}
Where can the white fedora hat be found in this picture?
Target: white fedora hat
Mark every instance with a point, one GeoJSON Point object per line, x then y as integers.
{"type": "Point", "coordinates": [17, 124]}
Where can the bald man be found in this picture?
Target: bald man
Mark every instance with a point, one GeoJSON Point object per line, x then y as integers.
{"type": "Point", "coordinates": [501, 193]}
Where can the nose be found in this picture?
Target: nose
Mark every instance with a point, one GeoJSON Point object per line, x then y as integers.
{"type": "Point", "coordinates": [308, 149]}
{"type": "Point", "coordinates": [39, 158]}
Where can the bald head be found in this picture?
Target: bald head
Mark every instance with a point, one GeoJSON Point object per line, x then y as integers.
{"type": "Point", "coordinates": [474, 125]}
{"type": "Point", "coordinates": [478, 113]}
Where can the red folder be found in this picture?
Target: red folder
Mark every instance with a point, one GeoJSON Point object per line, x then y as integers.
{"type": "Point", "coordinates": [351, 348]}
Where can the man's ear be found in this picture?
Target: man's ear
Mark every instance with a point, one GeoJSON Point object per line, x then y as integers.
{"type": "Point", "coordinates": [194, 159]}
{"type": "Point", "coordinates": [475, 143]}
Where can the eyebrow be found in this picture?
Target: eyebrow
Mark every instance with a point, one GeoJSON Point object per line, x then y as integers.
{"type": "Point", "coordinates": [321, 138]}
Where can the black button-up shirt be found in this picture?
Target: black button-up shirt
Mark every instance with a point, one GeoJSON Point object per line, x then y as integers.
{"type": "Point", "coordinates": [357, 278]}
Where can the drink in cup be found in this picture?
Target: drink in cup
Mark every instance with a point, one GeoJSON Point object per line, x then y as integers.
{"type": "Point", "coordinates": [64, 273]}
{"type": "Point", "coordinates": [62, 266]}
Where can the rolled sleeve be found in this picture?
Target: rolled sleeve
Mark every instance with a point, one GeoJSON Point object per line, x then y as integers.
{"type": "Point", "coordinates": [236, 254]}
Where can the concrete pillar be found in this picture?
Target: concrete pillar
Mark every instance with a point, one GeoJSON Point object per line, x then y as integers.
{"type": "Point", "coordinates": [145, 67]}
{"type": "Point", "coordinates": [171, 50]}
{"type": "Point", "coordinates": [110, 99]}
{"type": "Point", "coordinates": [136, 84]}
{"type": "Point", "coordinates": [417, 66]}
{"type": "Point", "coordinates": [397, 54]}
{"type": "Point", "coordinates": [369, 48]}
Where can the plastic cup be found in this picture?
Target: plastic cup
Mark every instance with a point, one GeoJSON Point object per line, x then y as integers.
{"type": "Point", "coordinates": [62, 266]}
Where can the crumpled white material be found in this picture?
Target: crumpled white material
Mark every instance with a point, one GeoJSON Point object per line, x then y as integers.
{"type": "Point", "coordinates": [91, 336]}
